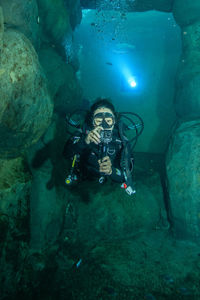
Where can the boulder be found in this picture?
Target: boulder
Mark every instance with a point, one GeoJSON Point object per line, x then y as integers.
{"type": "Point", "coordinates": [183, 173]}
{"type": "Point", "coordinates": [47, 200]}
{"type": "Point", "coordinates": [15, 183]}
{"type": "Point", "coordinates": [186, 12]}
{"type": "Point", "coordinates": [55, 21]}
{"type": "Point", "coordinates": [108, 213]}
{"type": "Point", "coordinates": [26, 107]}
{"type": "Point", "coordinates": [75, 12]}
{"type": "Point", "coordinates": [1, 28]}
{"type": "Point", "coordinates": [187, 100]}
{"type": "Point", "coordinates": [23, 16]}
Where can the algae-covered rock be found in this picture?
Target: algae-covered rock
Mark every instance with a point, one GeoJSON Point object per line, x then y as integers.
{"type": "Point", "coordinates": [23, 16]}
{"type": "Point", "coordinates": [186, 12]}
{"type": "Point", "coordinates": [107, 212]}
{"type": "Point", "coordinates": [62, 81]}
{"type": "Point", "coordinates": [148, 265]}
{"type": "Point", "coordinates": [13, 171]}
{"type": "Point", "coordinates": [75, 12]}
{"type": "Point", "coordinates": [187, 100]}
{"type": "Point", "coordinates": [129, 5]}
{"type": "Point", "coordinates": [46, 199]}
{"type": "Point", "coordinates": [57, 71]}
{"type": "Point", "coordinates": [1, 28]}
{"type": "Point", "coordinates": [14, 192]}
{"type": "Point", "coordinates": [183, 171]}
{"type": "Point", "coordinates": [15, 183]}
{"type": "Point", "coordinates": [162, 5]}
{"type": "Point", "coordinates": [54, 67]}
{"type": "Point", "coordinates": [54, 18]}
{"type": "Point", "coordinates": [26, 107]}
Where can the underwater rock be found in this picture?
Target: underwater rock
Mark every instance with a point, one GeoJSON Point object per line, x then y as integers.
{"type": "Point", "coordinates": [186, 12]}
{"type": "Point", "coordinates": [62, 82]}
{"type": "Point", "coordinates": [1, 28]}
{"type": "Point", "coordinates": [13, 172]}
{"type": "Point", "coordinates": [60, 75]}
{"type": "Point", "coordinates": [46, 197]}
{"type": "Point", "coordinates": [55, 21]}
{"type": "Point", "coordinates": [183, 172]}
{"type": "Point", "coordinates": [161, 5]}
{"type": "Point", "coordinates": [136, 5]}
{"type": "Point", "coordinates": [26, 107]}
{"type": "Point", "coordinates": [15, 183]}
{"type": "Point", "coordinates": [108, 213]}
{"type": "Point", "coordinates": [75, 12]}
{"type": "Point", "coordinates": [23, 16]}
{"type": "Point", "coordinates": [54, 67]}
{"type": "Point", "coordinates": [187, 100]}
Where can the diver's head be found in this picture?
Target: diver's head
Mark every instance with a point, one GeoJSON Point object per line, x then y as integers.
{"type": "Point", "coordinates": [103, 114]}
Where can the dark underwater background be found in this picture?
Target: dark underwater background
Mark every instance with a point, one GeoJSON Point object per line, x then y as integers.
{"type": "Point", "coordinates": [87, 240]}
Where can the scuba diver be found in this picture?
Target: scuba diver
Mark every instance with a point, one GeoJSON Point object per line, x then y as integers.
{"type": "Point", "coordinates": [100, 148]}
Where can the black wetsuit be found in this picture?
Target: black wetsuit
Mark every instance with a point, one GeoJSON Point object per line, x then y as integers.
{"type": "Point", "coordinates": [90, 154]}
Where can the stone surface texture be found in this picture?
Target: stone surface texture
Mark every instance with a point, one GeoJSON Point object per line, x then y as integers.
{"type": "Point", "coordinates": [183, 170]}
{"type": "Point", "coordinates": [23, 16]}
{"type": "Point", "coordinates": [98, 216]}
{"type": "Point", "coordinates": [1, 27]}
{"type": "Point", "coordinates": [184, 151]}
{"type": "Point", "coordinates": [15, 184]}
{"type": "Point", "coordinates": [26, 107]}
{"type": "Point", "coordinates": [55, 21]}
{"type": "Point", "coordinates": [187, 99]}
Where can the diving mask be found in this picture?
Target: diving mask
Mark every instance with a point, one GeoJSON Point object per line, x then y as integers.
{"type": "Point", "coordinates": [106, 120]}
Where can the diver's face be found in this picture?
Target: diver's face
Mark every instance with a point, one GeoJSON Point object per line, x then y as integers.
{"type": "Point", "coordinates": [104, 117]}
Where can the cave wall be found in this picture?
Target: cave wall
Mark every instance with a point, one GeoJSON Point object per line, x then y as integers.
{"type": "Point", "coordinates": [129, 5]}
{"type": "Point", "coordinates": [183, 159]}
{"type": "Point", "coordinates": [37, 86]}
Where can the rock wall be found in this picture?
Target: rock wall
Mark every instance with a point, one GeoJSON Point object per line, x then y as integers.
{"type": "Point", "coordinates": [187, 99]}
{"type": "Point", "coordinates": [183, 169]}
{"type": "Point", "coordinates": [26, 107]}
{"type": "Point", "coordinates": [22, 16]}
{"type": "Point", "coordinates": [129, 5]}
{"type": "Point", "coordinates": [35, 76]}
{"type": "Point", "coordinates": [183, 157]}
{"type": "Point", "coordinates": [45, 157]}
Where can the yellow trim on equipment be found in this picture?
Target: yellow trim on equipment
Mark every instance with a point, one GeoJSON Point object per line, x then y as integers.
{"type": "Point", "coordinates": [74, 160]}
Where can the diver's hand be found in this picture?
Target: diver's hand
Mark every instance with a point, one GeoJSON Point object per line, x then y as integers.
{"type": "Point", "coordinates": [105, 165]}
{"type": "Point", "coordinates": [94, 136]}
